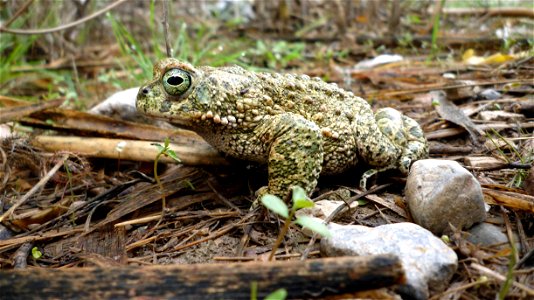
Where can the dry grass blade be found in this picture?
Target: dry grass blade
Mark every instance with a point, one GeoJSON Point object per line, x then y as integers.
{"type": "Point", "coordinates": [448, 111]}
{"type": "Point", "coordinates": [66, 26]}
{"type": "Point", "coordinates": [391, 205]}
{"type": "Point", "coordinates": [35, 188]}
{"type": "Point", "coordinates": [456, 288]}
{"type": "Point", "coordinates": [148, 194]}
{"type": "Point", "coordinates": [501, 278]}
{"type": "Point", "coordinates": [14, 242]}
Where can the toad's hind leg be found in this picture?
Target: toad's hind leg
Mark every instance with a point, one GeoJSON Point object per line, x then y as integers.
{"type": "Point", "coordinates": [390, 141]}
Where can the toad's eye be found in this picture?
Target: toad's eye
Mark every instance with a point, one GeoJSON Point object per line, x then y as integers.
{"type": "Point", "coordinates": [176, 82]}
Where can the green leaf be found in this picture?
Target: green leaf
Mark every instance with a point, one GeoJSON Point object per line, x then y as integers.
{"type": "Point", "coordinates": [302, 203]}
{"type": "Point", "coordinates": [299, 193]}
{"type": "Point", "coordinates": [414, 19]}
{"type": "Point", "coordinates": [362, 202]}
{"type": "Point", "coordinates": [275, 204]}
{"type": "Point", "coordinates": [300, 199]}
{"type": "Point", "coordinates": [170, 153]}
{"type": "Point", "coordinates": [189, 184]}
{"type": "Point", "coordinates": [36, 253]}
{"type": "Point", "coordinates": [160, 147]}
{"type": "Point", "coordinates": [313, 225]}
{"type": "Point", "coordinates": [254, 290]}
{"type": "Point", "coordinates": [279, 294]}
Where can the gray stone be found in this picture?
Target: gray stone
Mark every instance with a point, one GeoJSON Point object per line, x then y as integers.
{"type": "Point", "coordinates": [439, 192]}
{"type": "Point", "coordinates": [5, 233]}
{"type": "Point", "coordinates": [490, 94]}
{"type": "Point", "coordinates": [427, 261]}
{"type": "Point", "coordinates": [485, 234]}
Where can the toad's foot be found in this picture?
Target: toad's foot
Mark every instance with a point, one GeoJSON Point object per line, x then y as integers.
{"type": "Point", "coordinates": [401, 142]}
{"type": "Point", "coordinates": [403, 132]}
{"type": "Point", "coordinates": [370, 173]}
{"type": "Point", "coordinates": [416, 146]}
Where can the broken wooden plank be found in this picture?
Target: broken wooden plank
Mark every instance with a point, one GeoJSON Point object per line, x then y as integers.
{"type": "Point", "coordinates": [301, 279]}
{"type": "Point", "coordinates": [485, 162]}
{"type": "Point", "coordinates": [86, 123]}
{"type": "Point", "coordinates": [17, 112]}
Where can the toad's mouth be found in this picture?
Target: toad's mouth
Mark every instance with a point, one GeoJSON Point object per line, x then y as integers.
{"type": "Point", "coordinates": [184, 120]}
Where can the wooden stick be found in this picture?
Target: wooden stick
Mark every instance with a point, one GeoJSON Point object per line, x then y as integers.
{"type": "Point", "coordinates": [189, 154]}
{"type": "Point", "coordinates": [301, 279]}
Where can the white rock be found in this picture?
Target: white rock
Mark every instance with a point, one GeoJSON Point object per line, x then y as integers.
{"type": "Point", "coordinates": [6, 132]}
{"type": "Point", "coordinates": [439, 192]}
{"type": "Point", "coordinates": [323, 208]}
{"type": "Point", "coordinates": [377, 61]}
{"type": "Point", "coordinates": [120, 104]}
{"type": "Point", "coordinates": [490, 94]}
{"type": "Point", "coordinates": [427, 261]}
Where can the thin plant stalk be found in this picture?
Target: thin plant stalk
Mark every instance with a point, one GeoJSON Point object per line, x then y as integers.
{"type": "Point", "coordinates": [282, 234]}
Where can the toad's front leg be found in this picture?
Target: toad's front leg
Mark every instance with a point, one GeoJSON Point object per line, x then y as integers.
{"type": "Point", "coordinates": [295, 155]}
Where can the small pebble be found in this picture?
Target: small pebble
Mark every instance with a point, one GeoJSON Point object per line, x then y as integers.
{"type": "Point", "coordinates": [485, 234]}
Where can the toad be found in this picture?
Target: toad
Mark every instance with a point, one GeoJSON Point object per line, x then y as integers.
{"type": "Point", "coordinates": [299, 126]}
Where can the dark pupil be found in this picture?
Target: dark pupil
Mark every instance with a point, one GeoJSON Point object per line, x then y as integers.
{"type": "Point", "coordinates": [175, 80]}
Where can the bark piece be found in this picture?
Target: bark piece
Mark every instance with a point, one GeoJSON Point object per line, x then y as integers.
{"type": "Point", "coordinates": [301, 279]}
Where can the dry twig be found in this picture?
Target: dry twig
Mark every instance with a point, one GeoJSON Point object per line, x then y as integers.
{"type": "Point", "coordinates": [35, 188]}
{"type": "Point", "coordinates": [65, 26]}
{"type": "Point", "coordinates": [501, 278]}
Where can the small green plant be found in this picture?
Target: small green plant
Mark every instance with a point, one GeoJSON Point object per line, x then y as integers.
{"type": "Point", "coordinates": [279, 294]}
{"type": "Point", "coordinates": [36, 253]}
{"type": "Point", "coordinates": [520, 174]}
{"type": "Point", "coordinates": [300, 200]}
{"type": "Point", "coordinates": [277, 55]}
{"type": "Point", "coordinates": [130, 47]}
{"type": "Point", "coordinates": [198, 45]}
{"type": "Point", "coordinates": [406, 40]}
{"type": "Point", "coordinates": [165, 151]}
{"type": "Point", "coordinates": [505, 288]}
{"type": "Point", "coordinates": [435, 32]}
